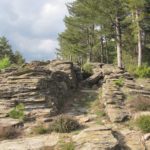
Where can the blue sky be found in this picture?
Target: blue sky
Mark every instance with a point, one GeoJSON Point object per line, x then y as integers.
{"type": "Point", "coordinates": [32, 26]}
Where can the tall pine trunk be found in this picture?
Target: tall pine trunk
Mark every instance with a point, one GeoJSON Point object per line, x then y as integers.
{"type": "Point", "coordinates": [119, 43]}
{"type": "Point", "coordinates": [139, 41]}
{"type": "Point", "coordinates": [107, 57]}
{"type": "Point", "coordinates": [102, 50]}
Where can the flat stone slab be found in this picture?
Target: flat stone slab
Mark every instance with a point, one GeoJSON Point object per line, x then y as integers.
{"type": "Point", "coordinates": [95, 138]}
{"type": "Point", "coordinates": [133, 139]}
{"type": "Point", "coordinates": [8, 121]}
{"type": "Point", "coordinates": [33, 143]}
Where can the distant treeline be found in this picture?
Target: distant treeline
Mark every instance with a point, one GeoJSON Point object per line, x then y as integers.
{"type": "Point", "coordinates": [108, 31]}
{"type": "Point", "coordinates": [7, 55]}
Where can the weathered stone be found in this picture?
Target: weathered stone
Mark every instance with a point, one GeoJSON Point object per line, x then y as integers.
{"type": "Point", "coordinates": [39, 86]}
{"type": "Point", "coordinates": [94, 79]}
{"type": "Point", "coordinates": [34, 143]}
{"type": "Point", "coordinates": [146, 137]}
{"type": "Point", "coordinates": [8, 126]}
{"type": "Point", "coordinates": [116, 114]}
{"type": "Point", "coordinates": [132, 140]}
{"type": "Point", "coordinates": [129, 140]}
{"type": "Point", "coordinates": [147, 145]}
{"type": "Point", "coordinates": [95, 138]}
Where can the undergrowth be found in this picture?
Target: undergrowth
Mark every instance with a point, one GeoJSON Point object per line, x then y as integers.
{"type": "Point", "coordinates": [4, 62]}
{"type": "Point", "coordinates": [17, 112]}
{"type": "Point", "coordinates": [64, 124]}
{"type": "Point", "coordinates": [67, 145]}
{"type": "Point", "coordinates": [143, 122]}
{"type": "Point", "coordinates": [119, 82]}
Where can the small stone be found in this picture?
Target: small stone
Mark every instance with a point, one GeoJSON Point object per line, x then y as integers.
{"type": "Point", "coordinates": [146, 137]}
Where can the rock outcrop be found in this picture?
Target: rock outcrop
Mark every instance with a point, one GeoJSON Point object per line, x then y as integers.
{"type": "Point", "coordinates": [41, 86]}
{"type": "Point", "coordinates": [113, 96]}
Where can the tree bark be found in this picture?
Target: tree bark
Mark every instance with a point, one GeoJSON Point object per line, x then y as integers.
{"type": "Point", "coordinates": [119, 43]}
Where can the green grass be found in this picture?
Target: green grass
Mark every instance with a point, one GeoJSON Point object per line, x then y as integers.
{"type": "Point", "coordinates": [40, 129]}
{"type": "Point", "coordinates": [4, 63]}
{"type": "Point", "coordinates": [119, 82]}
{"type": "Point", "coordinates": [17, 112]}
{"type": "Point", "coordinates": [143, 122]}
{"type": "Point", "coordinates": [88, 68]}
{"type": "Point", "coordinates": [142, 72]}
{"type": "Point", "coordinates": [67, 145]}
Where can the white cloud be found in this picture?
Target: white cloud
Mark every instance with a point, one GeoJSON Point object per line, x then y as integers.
{"type": "Point", "coordinates": [32, 26]}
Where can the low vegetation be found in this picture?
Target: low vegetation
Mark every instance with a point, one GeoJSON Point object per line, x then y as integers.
{"type": "Point", "coordinates": [119, 82]}
{"type": "Point", "coordinates": [4, 62]}
{"type": "Point", "coordinates": [40, 129]}
{"type": "Point", "coordinates": [67, 145]}
{"type": "Point", "coordinates": [139, 72]}
{"type": "Point", "coordinates": [64, 124]}
{"type": "Point", "coordinates": [140, 103]}
{"type": "Point", "coordinates": [88, 68]}
{"type": "Point", "coordinates": [17, 112]}
{"type": "Point", "coordinates": [142, 72]}
{"type": "Point", "coordinates": [143, 122]}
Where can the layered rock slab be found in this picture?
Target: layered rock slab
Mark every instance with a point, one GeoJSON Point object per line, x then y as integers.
{"type": "Point", "coordinates": [33, 143]}
{"type": "Point", "coordinates": [39, 86]}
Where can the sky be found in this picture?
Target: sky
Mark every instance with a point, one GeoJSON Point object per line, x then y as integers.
{"type": "Point", "coordinates": [32, 26]}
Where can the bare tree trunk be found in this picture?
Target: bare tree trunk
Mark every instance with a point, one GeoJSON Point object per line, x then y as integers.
{"type": "Point", "coordinates": [139, 41]}
{"type": "Point", "coordinates": [107, 57]}
{"type": "Point", "coordinates": [119, 44]}
{"type": "Point", "coordinates": [91, 33]}
{"type": "Point", "coordinates": [70, 57]}
{"type": "Point", "coordinates": [88, 43]}
{"type": "Point", "coordinates": [102, 50]}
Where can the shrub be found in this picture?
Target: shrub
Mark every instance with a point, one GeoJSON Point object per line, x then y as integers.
{"type": "Point", "coordinates": [67, 146]}
{"type": "Point", "coordinates": [142, 72]}
{"type": "Point", "coordinates": [4, 63]}
{"type": "Point", "coordinates": [64, 124]}
{"type": "Point", "coordinates": [17, 112]}
{"type": "Point", "coordinates": [140, 103]}
{"type": "Point", "coordinates": [88, 68]}
{"type": "Point", "coordinates": [40, 129]}
{"type": "Point", "coordinates": [119, 82]}
{"type": "Point", "coordinates": [143, 123]}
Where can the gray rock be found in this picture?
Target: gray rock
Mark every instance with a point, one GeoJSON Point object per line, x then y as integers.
{"type": "Point", "coordinates": [95, 138]}
{"type": "Point", "coordinates": [39, 86]}
{"type": "Point", "coordinates": [33, 143]}
{"type": "Point", "coordinates": [117, 114]}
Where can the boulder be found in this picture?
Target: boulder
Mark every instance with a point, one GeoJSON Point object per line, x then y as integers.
{"type": "Point", "coordinates": [94, 79]}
